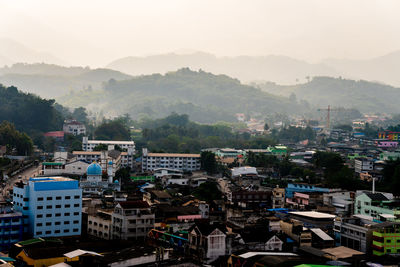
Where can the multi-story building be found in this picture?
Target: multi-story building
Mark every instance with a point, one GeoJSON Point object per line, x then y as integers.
{"type": "Point", "coordinates": [132, 220]}
{"type": "Point", "coordinates": [74, 127]}
{"type": "Point", "coordinates": [184, 162]}
{"type": "Point", "coordinates": [303, 188]}
{"type": "Point", "coordinates": [52, 206]}
{"type": "Point", "coordinates": [386, 239]}
{"type": "Point", "coordinates": [11, 229]}
{"type": "Point", "coordinates": [99, 224]}
{"type": "Point", "coordinates": [278, 198]}
{"type": "Point", "coordinates": [312, 219]}
{"type": "Point", "coordinates": [118, 159]}
{"type": "Point", "coordinates": [343, 201]}
{"type": "Point", "coordinates": [77, 167]}
{"type": "Point", "coordinates": [89, 145]}
{"type": "Point", "coordinates": [354, 232]}
{"type": "Point", "coordinates": [378, 206]}
{"type": "Point", "coordinates": [363, 165]}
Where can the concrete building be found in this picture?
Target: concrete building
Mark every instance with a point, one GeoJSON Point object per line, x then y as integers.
{"type": "Point", "coordinates": [378, 206]}
{"type": "Point", "coordinates": [132, 220]}
{"type": "Point", "coordinates": [183, 162]}
{"type": "Point", "coordinates": [89, 145]}
{"type": "Point", "coordinates": [386, 239]}
{"type": "Point", "coordinates": [303, 188]}
{"type": "Point", "coordinates": [74, 127]}
{"type": "Point", "coordinates": [312, 219]}
{"type": "Point", "coordinates": [52, 206]}
{"type": "Point", "coordinates": [11, 229]}
{"type": "Point", "coordinates": [363, 165]}
{"type": "Point", "coordinates": [99, 224]}
{"type": "Point", "coordinates": [77, 167]}
{"type": "Point", "coordinates": [343, 201]}
{"type": "Point", "coordinates": [118, 159]}
{"type": "Point", "coordinates": [278, 198]}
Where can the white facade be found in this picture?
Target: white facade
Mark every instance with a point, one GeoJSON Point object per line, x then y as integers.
{"type": "Point", "coordinates": [363, 165]}
{"type": "Point", "coordinates": [99, 225]}
{"type": "Point", "coordinates": [52, 205]}
{"type": "Point", "coordinates": [74, 127]}
{"type": "Point", "coordinates": [89, 145]}
{"type": "Point", "coordinates": [76, 168]}
{"type": "Point", "coordinates": [182, 162]}
{"type": "Point", "coordinates": [103, 158]}
{"type": "Point", "coordinates": [132, 220]}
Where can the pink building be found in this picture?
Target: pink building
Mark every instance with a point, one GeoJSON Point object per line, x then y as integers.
{"type": "Point", "coordinates": [387, 144]}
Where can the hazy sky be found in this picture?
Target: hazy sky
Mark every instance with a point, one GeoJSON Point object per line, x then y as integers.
{"type": "Point", "coordinates": [96, 32]}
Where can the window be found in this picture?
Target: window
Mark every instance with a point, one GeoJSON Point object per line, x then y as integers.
{"type": "Point", "coordinates": [49, 198]}
{"type": "Point", "coordinates": [67, 205]}
{"type": "Point", "coordinates": [75, 222]}
{"type": "Point", "coordinates": [56, 231]}
{"type": "Point", "coordinates": [75, 230]}
{"type": "Point", "coordinates": [66, 230]}
{"type": "Point", "coordinates": [58, 198]}
{"type": "Point", "coordinates": [66, 214]}
{"type": "Point", "coordinates": [48, 215]}
{"type": "Point", "coordinates": [90, 222]}
{"type": "Point", "coordinates": [48, 232]}
{"type": "Point", "coordinates": [67, 197]}
{"type": "Point", "coordinates": [39, 224]}
{"type": "Point", "coordinates": [39, 199]}
{"type": "Point", "coordinates": [58, 206]}
{"type": "Point", "coordinates": [25, 208]}
{"type": "Point", "coordinates": [66, 222]}
{"type": "Point", "coordinates": [49, 207]}
{"type": "Point", "coordinates": [76, 213]}
{"type": "Point", "coordinates": [26, 199]}
{"type": "Point", "coordinates": [38, 233]}
{"type": "Point", "coordinates": [58, 214]}
{"type": "Point", "coordinates": [57, 223]}
{"type": "Point", "coordinates": [39, 216]}
{"type": "Point", "coordinates": [39, 207]}
{"type": "Point", "coordinates": [76, 205]}
{"type": "Point", "coordinates": [48, 224]}
{"type": "Point", "coordinates": [76, 197]}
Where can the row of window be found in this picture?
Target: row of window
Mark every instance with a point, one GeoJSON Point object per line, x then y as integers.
{"type": "Point", "coordinates": [100, 224]}
{"type": "Point", "coordinates": [58, 198]}
{"type": "Point", "coordinates": [77, 205]}
{"type": "Point", "coordinates": [56, 223]}
{"type": "Point", "coordinates": [75, 230]}
{"type": "Point", "coordinates": [49, 215]}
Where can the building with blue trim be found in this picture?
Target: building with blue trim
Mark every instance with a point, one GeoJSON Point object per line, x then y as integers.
{"type": "Point", "coordinates": [303, 188]}
{"type": "Point", "coordinates": [51, 206]}
{"type": "Point", "coordinates": [11, 229]}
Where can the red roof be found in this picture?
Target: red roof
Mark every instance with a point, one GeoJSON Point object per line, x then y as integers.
{"type": "Point", "coordinates": [55, 134]}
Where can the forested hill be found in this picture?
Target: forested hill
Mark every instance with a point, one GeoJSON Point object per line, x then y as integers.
{"type": "Point", "coordinates": [50, 81]}
{"type": "Point", "coordinates": [28, 112]}
{"type": "Point", "coordinates": [322, 91]}
{"type": "Point", "coordinates": [203, 96]}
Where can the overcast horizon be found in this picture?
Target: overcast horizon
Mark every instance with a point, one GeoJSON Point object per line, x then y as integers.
{"type": "Point", "coordinates": [95, 33]}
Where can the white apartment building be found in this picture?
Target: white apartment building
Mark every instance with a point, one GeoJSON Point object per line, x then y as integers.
{"type": "Point", "coordinates": [183, 162]}
{"type": "Point", "coordinates": [74, 127]}
{"type": "Point", "coordinates": [89, 145]}
{"type": "Point", "coordinates": [119, 159]}
{"type": "Point", "coordinates": [52, 206]}
{"type": "Point", "coordinates": [99, 224]}
{"type": "Point", "coordinates": [363, 165]}
{"type": "Point", "coordinates": [132, 220]}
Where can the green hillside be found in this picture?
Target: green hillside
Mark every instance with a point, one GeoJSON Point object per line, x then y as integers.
{"type": "Point", "coordinates": [203, 96]}
{"type": "Point", "coordinates": [323, 91]}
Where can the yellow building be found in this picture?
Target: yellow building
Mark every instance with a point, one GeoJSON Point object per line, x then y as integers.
{"type": "Point", "coordinates": [40, 257]}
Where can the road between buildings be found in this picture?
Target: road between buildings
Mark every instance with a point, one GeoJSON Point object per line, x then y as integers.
{"type": "Point", "coordinates": [24, 176]}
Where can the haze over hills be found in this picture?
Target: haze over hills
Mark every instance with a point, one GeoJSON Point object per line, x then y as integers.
{"type": "Point", "coordinates": [205, 97]}
{"type": "Point", "coordinates": [13, 52]}
{"type": "Point", "coordinates": [53, 81]}
{"type": "Point", "coordinates": [365, 96]}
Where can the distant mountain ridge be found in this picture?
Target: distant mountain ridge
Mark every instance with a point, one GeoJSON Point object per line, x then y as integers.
{"type": "Point", "coordinates": [52, 81]}
{"type": "Point", "coordinates": [367, 97]}
{"type": "Point", "coordinates": [205, 97]}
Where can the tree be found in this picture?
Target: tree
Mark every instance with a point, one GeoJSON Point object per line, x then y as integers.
{"type": "Point", "coordinates": [208, 162]}
{"type": "Point", "coordinates": [208, 191]}
{"type": "Point", "coordinates": [266, 127]}
{"type": "Point", "coordinates": [112, 130]}
{"type": "Point", "coordinates": [100, 147]}
{"type": "Point", "coordinates": [14, 139]}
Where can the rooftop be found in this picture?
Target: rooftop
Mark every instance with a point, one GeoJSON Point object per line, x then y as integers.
{"type": "Point", "coordinates": [136, 204]}
{"type": "Point", "coordinates": [313, 214]}
{"type": "Point", "coordinates": [111, 142]}
{"type": "Point", "coordinates": [180, 155]}
{"type": "Point", "coordinates": [50, 179]}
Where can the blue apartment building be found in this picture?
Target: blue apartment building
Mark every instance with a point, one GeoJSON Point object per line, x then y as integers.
{"type": "Point", "coordinates": [51, 206]}
{"type": "Point", "coordinates": [11, 229]}
{"type": "Point", "coordinates": [303, 188]}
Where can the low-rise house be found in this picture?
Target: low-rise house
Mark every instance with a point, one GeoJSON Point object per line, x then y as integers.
{"type": "Point", "coordinates": [295, 230]}
{"type": "Point", "coordinates": [278, 198]}
{"type": "Point", "coordinates": [343, 201]}
{"type": "Point", "coordinates": [157, 197]}
{"type": "Point", "coordinates": [74, 127]}
{"type": "Point", "coordinates": [378, 206]}
{"type": "Point", "coordinates": [207, 241]}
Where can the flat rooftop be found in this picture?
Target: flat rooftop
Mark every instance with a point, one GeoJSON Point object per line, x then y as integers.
{"type": "Point", "coordinates": [173, 155]}
{"type": "Point", "coordinates": [313, 214]}
{"type": "Point", "coordinates": [111, 142]}
{"type": "Point", "coordinates": [50, 179]}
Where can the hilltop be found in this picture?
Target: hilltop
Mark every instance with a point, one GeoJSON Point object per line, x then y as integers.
{"type": "Point", "coordinates": [205, 97]}
{"type": "Point", "coordinates": [322, 91]}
